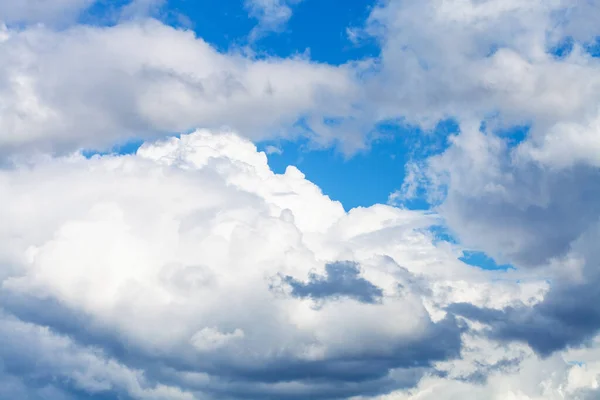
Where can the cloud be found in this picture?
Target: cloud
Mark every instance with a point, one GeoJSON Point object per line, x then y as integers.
{"type": "Point", "coordinates": [567, 316]}
{"type": "Point", "coordinates": [537, 217]}
{"type": "Point", "coordinates": [490, 61]}
{"type": "Point", "coordinates": [143, 8]}
{"type": "Point", "coordinates": [525, 199]}
{"type": "Point", "coordinates": [211, 339]}
{"type": "Point", "coordinates": [489, 65]}
{"type": "Point", "coordinates": [65, 13]}
{"type": "Point", "coordinates": [35, 11]}
{"type": "Point", "coordinates": [162, 263]}
{"type": "Point", "coordinates": [273, 150]}
{"type": "Point", "coordinates": [475, 58]}
{"type": "Point", "coordinates": [272, 15]}
{"type": "Point", "coordinates": [143, 79]}
{"type": "Point", "coordinates": [69, 371]}
{"type": "Point", "coordinates": [550, 379]}
{"type": "Point", "coordinates": [161, 266]}
{"type": "Point", "coordinates": [342, 280]}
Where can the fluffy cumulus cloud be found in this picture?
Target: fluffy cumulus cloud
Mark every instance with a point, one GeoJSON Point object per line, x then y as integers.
{"type": "Point", "coordinates": [472, 58]}
{"type": "Point", "coordinates": [89, 86]}
{"type": "Point", "coordinates": [504, 63]}
{"type": "Point", "coordinates": [190, 270]}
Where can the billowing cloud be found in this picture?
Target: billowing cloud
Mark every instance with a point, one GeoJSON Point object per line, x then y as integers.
{"type": "Point", "coordinates": [164, 263]}
{"type": "Point", "coordinates": [93, 87]}
{"type": "Point", "coordinates": [475, 58]}
{"type": "Point", "coordinates": [525, 196]}
{"type": "Point", "coordinates": [190, 270]}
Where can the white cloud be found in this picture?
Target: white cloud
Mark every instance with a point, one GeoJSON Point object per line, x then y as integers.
{"type": "Point", "coordinates": [550, 379]}
{"type": "Point", "coordinates": [64, 13]}
{"type": "Point", "coordinates": [211, 339]}
{"type": "Point", "coordinates": [185, 253]}
{"type": "Point", "coordinates": [272, 15]}
{"type": "Point", "coordinates": [273, 150]}
{"type": "Point", "coordinates": [43, 11]}
{"type": "Point", "coordinates": [92, 87]}
{"type": "Point", "coordinates": [472, 59]}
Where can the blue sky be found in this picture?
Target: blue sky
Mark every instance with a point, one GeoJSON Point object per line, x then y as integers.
{"type": "Point", "coordinates": [376, 171]}
{"type": "Point", "coordinates": [316, 26]}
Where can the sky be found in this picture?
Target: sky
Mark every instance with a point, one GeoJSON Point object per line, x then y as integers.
{"type": "Point", "coordinates": [293, 199]}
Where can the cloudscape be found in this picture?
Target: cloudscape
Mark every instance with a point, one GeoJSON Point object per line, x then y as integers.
{"type": "Point", "coordinates": [300, 199]}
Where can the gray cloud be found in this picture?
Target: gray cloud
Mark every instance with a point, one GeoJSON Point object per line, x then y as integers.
{"type": "Point", "coordinates": [341, 376]}
{"type": "Point", "coordinates": [568, 316]}
{"type": "Point", "coordinates": [342, 280]}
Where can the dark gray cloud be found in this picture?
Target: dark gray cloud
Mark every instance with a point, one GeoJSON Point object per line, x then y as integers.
{"type": "Point", "coordinates": [342, 279]}
{"type": "Point", "coordinates": [568, 316]}
{"type": "Point", "coordinates": [338, 377]}
{"type": "Point", "coordinates": [38, 364]}
{"type": "Point", "coordinates": [538, 216]}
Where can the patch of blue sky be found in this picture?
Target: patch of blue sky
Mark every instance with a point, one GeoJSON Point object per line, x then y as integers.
{"type": "Point", "coordinates": [564, 47]}
{"type": "Point", "coordinates": [129, 147]}
{"type": "Point", "coordinates": [493, 50]}
{"type": "Point", "coordinates": [441, 233]}
{"type": "Point", "coordinates": [481, 260]}
{"type": "Point", "coordinates": [593, 47]}
{"type": "Point", "coordinates": [362, 180]}
{"type": "Point", "coordinates": [103, 12]}
{"type": "Point", "coordinates": [322, 26]}
{"type": "Point", "coordinates": [476, 259]}
{"type": "Point", "coordinates": [513, 133]}
{"type": "Point", "coordinates": [316, 28]}
{"type": "Point", "coordinates": [374, 174]}
{"type": "Point", "coordinates": [224, 24]}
